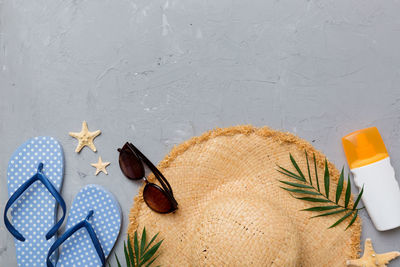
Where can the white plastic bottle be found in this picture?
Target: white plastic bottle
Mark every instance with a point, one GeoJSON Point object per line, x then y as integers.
{"type": "Point", "coordinates": [370, 165]}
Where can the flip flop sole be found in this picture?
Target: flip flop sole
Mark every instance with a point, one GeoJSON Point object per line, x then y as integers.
{"type": "Point", "coordinates": [34, 213]}
{"type": "Point", "coordinates": [78, 250]}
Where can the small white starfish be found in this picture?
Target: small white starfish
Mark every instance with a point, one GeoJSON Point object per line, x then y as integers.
{"type": "Point", "coordinates": [100, 166]}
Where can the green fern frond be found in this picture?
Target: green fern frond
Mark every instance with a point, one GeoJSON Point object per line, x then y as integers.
{"type": "Point", "coordinates": [314, 194]}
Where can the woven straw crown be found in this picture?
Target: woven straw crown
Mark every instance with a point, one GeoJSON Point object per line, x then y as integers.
{"type": "Point", "coordinates": [232, 211]}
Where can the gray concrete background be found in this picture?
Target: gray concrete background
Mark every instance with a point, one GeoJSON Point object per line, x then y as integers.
{"type": "Point", "coordinates": [159, 72]}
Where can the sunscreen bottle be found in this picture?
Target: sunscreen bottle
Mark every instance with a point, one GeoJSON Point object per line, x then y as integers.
{"type": "Point", "coordinates": [369, 163]}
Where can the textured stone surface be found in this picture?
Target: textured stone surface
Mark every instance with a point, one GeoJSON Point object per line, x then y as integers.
{"type": "Point", "coordinates": [158, 72]}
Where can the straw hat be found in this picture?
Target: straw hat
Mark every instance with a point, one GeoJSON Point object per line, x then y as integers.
{"type": "Point", "coordinates": [232, 211]}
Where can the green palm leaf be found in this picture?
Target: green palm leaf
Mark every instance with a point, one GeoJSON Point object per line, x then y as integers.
{"type": "Point", "coordinates": [313, 199]}
{"type": "Point", "coordinates": [329, 213]}
{"type": "Point", "coordinates": [339, 187]}
{"type": "Point", "coordinates": [358, 198]}
{"type": "Point", "coordinates": [296, 184]}
{"type": "Point", "coordinates": [308, 167]}
{"type": "Point", "coordinates": [290, 174]}
{"type": "Point", "coordinates": [316, 196]}
{"type": "Point", "coordinates": [143, 241]}
{"type": "Point", "coordinates": [130, 251]}
{"type": "Point", "coordinates": [141, 254]}
{"type": "Point", "coordinates": [341, 219]}
{"type": "Point", "coordinates": [348, 192]}
{"type": "Point", "coordinates": [316, 172]}
{"type": "Point", "coordinates": [127, 260]}
{"type": "Point", "coordinates": [297, 167]}
{"type": "Point", "coordinates": [150, 262]}
{"type": "Point", "coordinates": [322, 208]}
{"type": "Point", "coordinates": [116, 258]}
{"type": "Point", "coordinates": [150, 253]}
{"type": "Point", "coordinates": [151, 241]}
{"type": "Point", "coordinates": [326, 179]}
{"type": "Point", "coordinates": [353, 219]}
{"type": "Point", "coordinates": [301, 191]}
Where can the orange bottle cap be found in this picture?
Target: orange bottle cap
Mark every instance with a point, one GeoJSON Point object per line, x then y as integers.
{"type": "Point", "coordinates": [364, 147]}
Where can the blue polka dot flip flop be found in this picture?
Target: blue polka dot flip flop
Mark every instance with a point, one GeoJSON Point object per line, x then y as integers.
{"type": "Point", "coordinates": [93, 226]}
{"type": "Point", "coordinates": [34, 179]}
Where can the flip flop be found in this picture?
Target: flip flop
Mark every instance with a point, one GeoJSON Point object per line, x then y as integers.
{"type": "Point", "coordinates": [34, 179]}
{"type": "Point", "coordinates": [93, 227]}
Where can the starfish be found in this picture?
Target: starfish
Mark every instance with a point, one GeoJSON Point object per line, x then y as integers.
{"type": "Point", "coordinates": [100, 166]}
{"type": "Point", "coordinates": [371, 258]}
{"type": "Point", "coordinates": [85, 138]}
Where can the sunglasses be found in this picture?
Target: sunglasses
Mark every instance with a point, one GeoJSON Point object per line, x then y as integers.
{"type": "Point", "coordinates": [160, 199]}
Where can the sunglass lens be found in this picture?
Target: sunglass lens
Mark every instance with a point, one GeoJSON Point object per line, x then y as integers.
{"type": "Point", "coordinates": [157, 199]}
{"type": "Point", "coordinates": [130, 164]}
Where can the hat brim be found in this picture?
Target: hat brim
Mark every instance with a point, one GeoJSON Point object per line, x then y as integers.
{"type": "Point", "coordinates": [239, 163]}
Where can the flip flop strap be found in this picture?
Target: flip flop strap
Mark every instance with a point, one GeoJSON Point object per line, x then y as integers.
{"type": "Point", "coordinates": [39, 176]}
{"type": "Point", "coordinates": [82, 224]}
